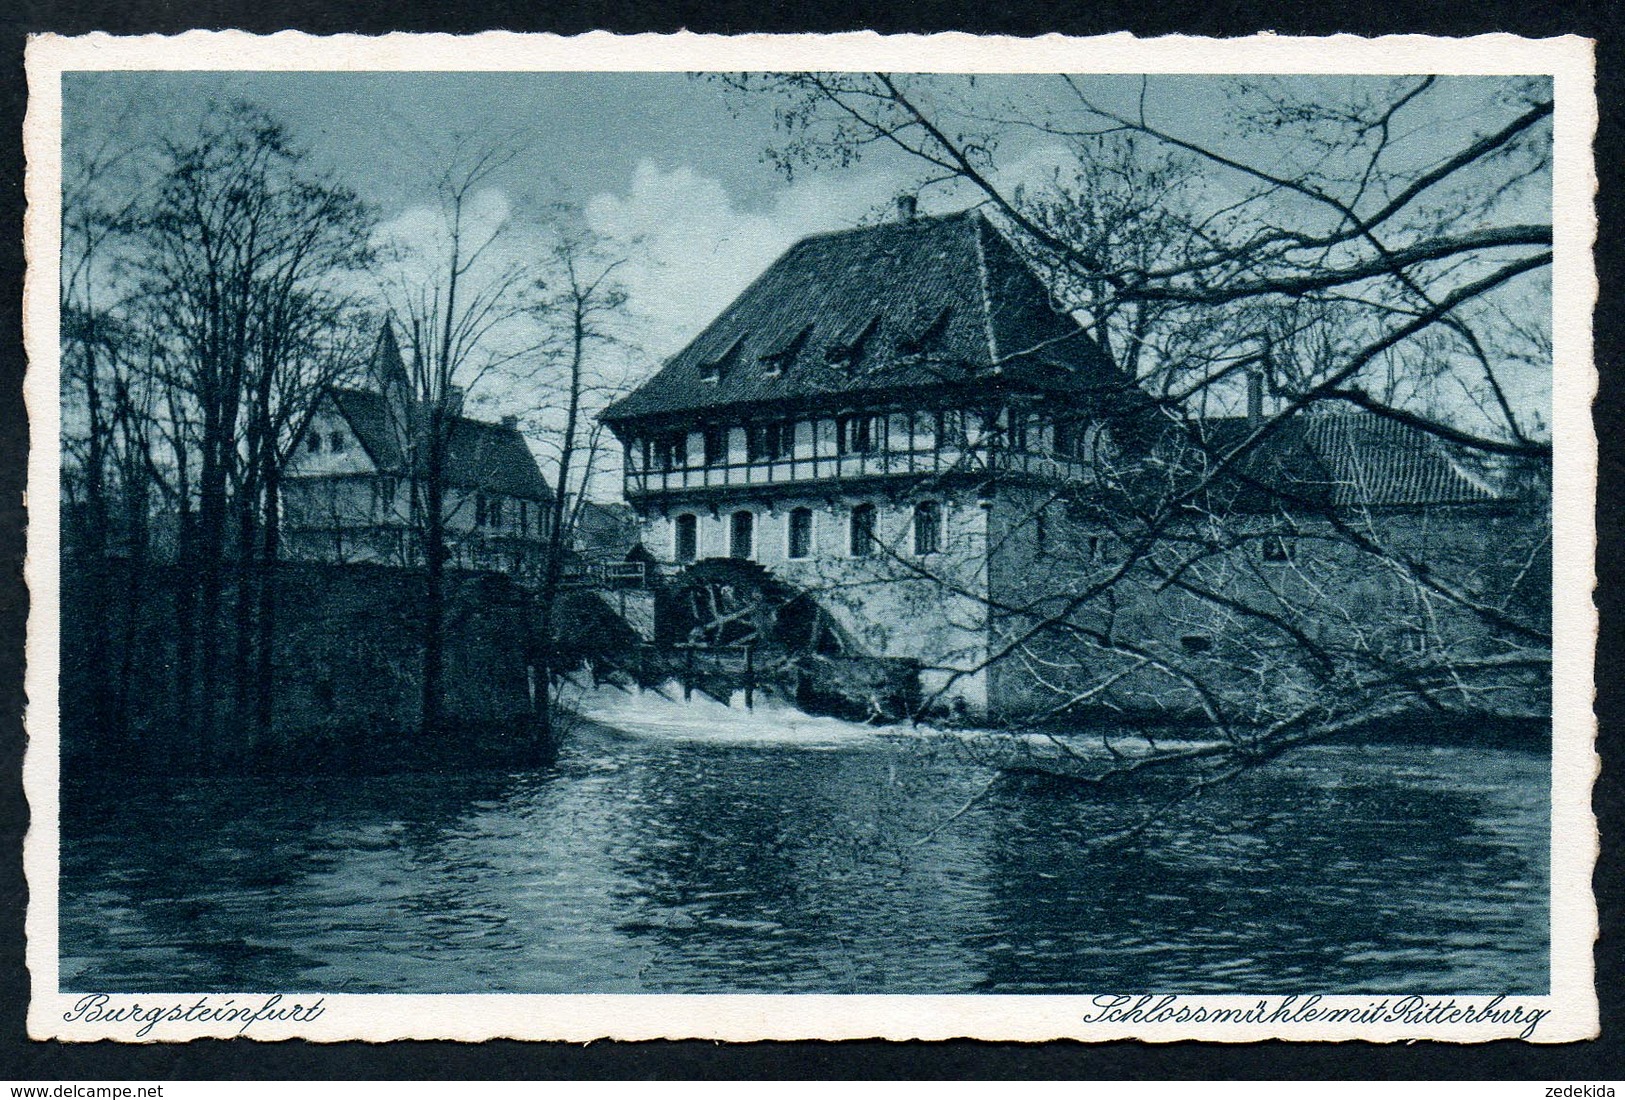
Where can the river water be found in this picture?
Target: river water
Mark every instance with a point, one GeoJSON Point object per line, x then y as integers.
{"type": "Point", "coordinates": [694, 856]}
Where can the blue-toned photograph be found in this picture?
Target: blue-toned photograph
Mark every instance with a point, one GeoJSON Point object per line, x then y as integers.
{"type": "Point", "coordinates": [860, 532]}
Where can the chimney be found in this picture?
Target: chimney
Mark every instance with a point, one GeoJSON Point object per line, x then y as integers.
{"type": "Point", "coordinates": [907, 205]}
{"type": "Point", "coordinates": [511, 423]}
{"type": "Point", "coordinates": [454, 401]}
{"type": "Point", "coordinates": [1255, 395]}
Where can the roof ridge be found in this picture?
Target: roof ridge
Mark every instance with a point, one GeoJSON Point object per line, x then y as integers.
{"type": "Point", "coordinates": [987, 293]}
{"type": "Point", "coordinates": [919, 220]}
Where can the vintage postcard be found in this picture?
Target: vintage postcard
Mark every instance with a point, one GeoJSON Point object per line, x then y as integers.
{"type": "Point", "coordinates": [810, 537]}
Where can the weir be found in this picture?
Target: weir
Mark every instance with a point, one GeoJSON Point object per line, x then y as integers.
{"type": "Point", "coordinates": [724, 628]}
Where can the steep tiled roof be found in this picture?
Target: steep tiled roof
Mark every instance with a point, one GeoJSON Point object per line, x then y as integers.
{"type": "Point", "coordinates": [368, 416]}
{"type": "Point", "coordinates": [480, 455]}
{"type": "Point", "coordinates": [885, 308]}
{"type": "Point", "coordinates": [490, 457]}
{"type": "Point", "coordinates": [1362, 459]}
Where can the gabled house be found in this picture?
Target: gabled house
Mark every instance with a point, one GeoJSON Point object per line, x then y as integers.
{"type": "Point", "coordinates": [899, 421]}
{"type": "Point", "coordinates": [866, 412]}
{"type": "Point", "coordinates": [354, 487]}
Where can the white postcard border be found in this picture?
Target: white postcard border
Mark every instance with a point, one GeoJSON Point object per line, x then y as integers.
{"type": "Point", "coordinates": [1568, 1012]}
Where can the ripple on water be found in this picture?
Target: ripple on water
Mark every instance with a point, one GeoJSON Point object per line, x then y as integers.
{"type": "Point", "coordinates": [726, 855]}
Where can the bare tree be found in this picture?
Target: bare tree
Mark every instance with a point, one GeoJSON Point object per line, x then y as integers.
{"type": "Point", "coordinates": [1380, 250]}
{"type": "Point", "coordinates": [97, 206]}
{"type": "Point", "coordinates": [460, 299]}
{"type": "Point", "coordinates": [578, 313]}
{"type": "Point", "coordinates": [228, 283]}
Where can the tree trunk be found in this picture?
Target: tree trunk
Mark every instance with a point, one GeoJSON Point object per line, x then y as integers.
{"type": "Point", "coordinates": [265, 668]}
{"type": "Point", "coordinates": [210, 552]}
{"type": "Point", "coordinates": [249, 578]}
{"type": "Point", "coordinates": [434, 530]}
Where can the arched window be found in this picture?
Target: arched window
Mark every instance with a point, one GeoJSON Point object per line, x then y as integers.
{"type": "Point", "coordinates": [801, 521]}
{"type": "Point", "coordinates": [863, 530]}
{"type": "Point", "coordinates": [688, 540]}
{"type": "Point", "coordinates": [742, 535]}
{"type": "Point", "coordinates": [336, 442]}
{"type": "Point", "coordinates": [927, 527]}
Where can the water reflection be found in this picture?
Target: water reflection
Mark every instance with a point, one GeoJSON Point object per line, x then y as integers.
{"type": "Point", "coordinates": [671, 865]}
{"type": "Point", "coordinates": [1416, 873]}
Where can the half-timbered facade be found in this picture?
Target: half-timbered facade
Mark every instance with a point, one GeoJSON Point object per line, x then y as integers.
{"type": "Point", "coordinates": [858, 420]}
{"type": "Point", "coordinates": [898, 420]}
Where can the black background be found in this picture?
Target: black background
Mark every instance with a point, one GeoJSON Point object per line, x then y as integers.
{"type": "Point", "coordinates": [25, 1061]}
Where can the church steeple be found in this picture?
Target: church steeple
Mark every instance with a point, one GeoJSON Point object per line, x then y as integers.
{"type": "Point", "coordinates": [386, 375]}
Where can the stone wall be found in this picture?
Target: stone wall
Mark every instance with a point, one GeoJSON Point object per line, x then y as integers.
{"type": "Point", "coordinates": [1342, 599]}
{"type": "Point", "coordinates": [346, 676]}
{"type": "Point", "coordinates": [889, 603]}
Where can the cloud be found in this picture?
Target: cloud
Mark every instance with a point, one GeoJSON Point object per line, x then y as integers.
{"type": "Point", "coordinates": [692, 249]}
{"type": "Point", "coordinates": [417, 242]}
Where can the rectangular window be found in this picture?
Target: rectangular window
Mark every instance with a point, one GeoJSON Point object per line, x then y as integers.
{"type": "Point", "coordinates": [927, 527]}
{"type": "Point", "coordinates": [1066, 444]}
{"type": "Point", "coordinates": [524, 517]}
{"type": "Point", "coordinates": [479, 509]}
{"type": "Point", "coordinates": [688, 541]}
{"type": "Point", "coordinates": [898, 427]}
{"type": "Point", "coordinates": [1016, 436]}
{"type": "Point", "coordinates": [858, 435]}
{"type": "Point", "coordinates": [925, 431]}
{"type": "Point", "coordinates": [494, 511]}
{"type": "Point", "coordinates": [770, 442]}
{"type": "Point", "coordinates": [863, 531]}
{"type": "Point", "coordinates": [313, 442]}
{"type": "Point", "coordinates": [716, 447]}
{"type": "Point", "coordinates": [336, 442]}
{"type": "Point", "coordinates": [742, 535]}
{"type": "Point", "coordinates": [672, 451]}
{"type": "Point", "coordinates": [801, 530]}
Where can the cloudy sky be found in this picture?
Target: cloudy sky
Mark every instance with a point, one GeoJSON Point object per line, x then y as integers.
{"type": "Point", "coordinates": [669, 169]}
{"type": "Point", "coordinates": [673, 161]}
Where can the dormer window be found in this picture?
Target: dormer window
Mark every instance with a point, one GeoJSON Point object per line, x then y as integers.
{"type": "Point", "coordinates": [1279, 549]}
{"type": "Point", "coordinates": [712, 370]}
{"type": "Point", "coordinates": [780, 358]}
{"type": "Point", "coordinates": [848, 350]}
{"type": "Point", "coordinates": [923, 340]}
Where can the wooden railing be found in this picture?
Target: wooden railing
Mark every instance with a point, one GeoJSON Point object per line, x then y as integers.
{"type": "Point", "coordinates": [608, 574]}
{"type": "Point", "coordinates": [844, 467]}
